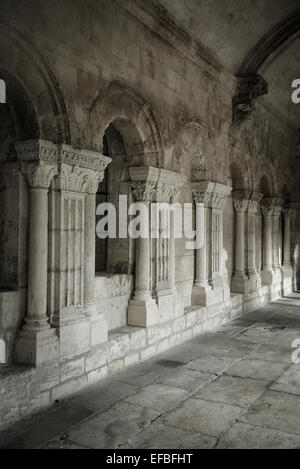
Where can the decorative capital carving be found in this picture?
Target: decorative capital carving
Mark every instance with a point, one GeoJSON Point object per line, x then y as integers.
{"type": "Point", "coordinates": [217, 201]}
{"type": "Point", "coordinates": [165, 192]}
{"type": "Point", "coordinates": [253, 206]}
{"type": "Point", "coordinates": [250, 86]}
{"type": "Point", "coordinates": [39, 176]}
{"type": "Point", "coordinates": [240, 206]}
{"type": "Point", "coordinates": [83, 158]}
{"type": "Point", "coordinates": [76, 169]}
{"type": "Point", "coordinates": [143, 190]}
{"type": "Point", "coordinates": [268, 206]}
{"type": "Point", "coordinates": [34, 151]}
{"type": "Point", "coordinates": [202, 197]}
{"type": "Point", "coordinates": [287, 211]}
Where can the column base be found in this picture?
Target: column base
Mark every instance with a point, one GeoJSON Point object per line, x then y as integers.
{"type": "Point", "coordinates": [206, 295]}
{"type": "Point", "coordinates": [142, 313]}
{"type": "Point", "coordinates": [36, 347]}
{"type": "Point", "coordinates": [239, 283]}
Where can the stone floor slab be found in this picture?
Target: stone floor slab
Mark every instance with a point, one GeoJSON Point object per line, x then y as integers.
{"type": "Point", "coordinates": [244, 436]}
{"type": "Point", "coordinates": [191, 380]}
{"type": "Point", "coordinates": [257, 369]}
{"type": "Point", "coordinates": [158, 397]}
{"type": "Point", "coordinates": [209, 418]}
{"type": "Point", "coordinates": [114, 427]}
{"type": "Point", "coordinates": [289, 381]}
{"type": "Point", "coordinates": [210, 363]}
{"type": "Point", "coordinates": [232, 390]}
{"type": "Point", "coordinates": [159, 435]}
{"type": "Point", "coordinates": [277, 410]}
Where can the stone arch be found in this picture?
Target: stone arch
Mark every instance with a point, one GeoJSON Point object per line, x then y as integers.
{"type": "Point", "coordinates": [25, 63]}
{"type": "Point", "coordinates": [189, 152]}
{"type": "Point", "coordinates": [133, 118]}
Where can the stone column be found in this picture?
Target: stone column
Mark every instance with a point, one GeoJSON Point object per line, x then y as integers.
{"type": "Point", "coordinates": [254, 277]}
{"type": "Point", "coordinates": [72, 247]}
{"type": "Point", "coordinates": [287, 269]}
{"type": "Point", "coordinates": [287, 237]}
{"type": "Point", "coordinates": [201, 289]}
{"type": "Point", "coordinates": [267, 209]}
{"type": "Point", "coordinates": [210, 284]}
{"type": "Point", "coordinates": [142, 310]}
{"type": "Point", "coordinates": [276, 233]}
{"type": "Point", "coordinates": [155, 297]}
{"type": "Point", "coordinates": [239, 280]}
{"type": "Point", "coordinates": [36, 344]}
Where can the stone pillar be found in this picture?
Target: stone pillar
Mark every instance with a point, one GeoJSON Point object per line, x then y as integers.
{"type": "Point", "coordinates": [202, 290]}
{"type": "Point", "coordinates": [155, 297]}
{"type": "Point", "coordinates": [287, 237]}
{"type": "Point", "coordinates": [36, 343]}
{"type": "Point", "coordinates": [72, 251]}
{"type": "Point", "coordinates": [267, 209]}
{"type": "Point", "coordinates": [239, 283]}
{"type": "Point", "coordinates": [253, 274]}
{"type": "Point", "coordinates": [287, 269]}
{"type": "Point", "coordinates": [142, 310]}
{"type": "Point", "coordinates": [276, 237]}
{"type": "Point", "coordinates": [210, 280]}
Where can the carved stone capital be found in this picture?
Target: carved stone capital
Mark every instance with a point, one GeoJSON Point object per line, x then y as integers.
{"type": "Point", "coordinates": [241, 206]}
{"type": "Point", "coordinates": [202, 197]}
{"type": "Point", "coordinates": [83, 158]}
{"type": "Point", "coordinates": [249, 87]}
{"type": "Point", "coordinates": [287, 211]}
{"type": "Point", "coordinates": [35, 151]}
{"type": "Point", "coordinates": [268, 206]}
{"type": "Point", "coordinates": [143, 191]}
{"type": "Point", "coordinates": [217, 201]}
{"type": "Point", "coordinates": [39, 176]}
{"type": "Point", "coordinates": [165, 192]}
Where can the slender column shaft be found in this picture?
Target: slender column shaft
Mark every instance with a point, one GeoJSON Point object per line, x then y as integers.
{"type": "Point", "coordinates": [89, 252]}
{"type": "Point", "coordinates": [201, 253]}
{"type": "Point", "coordinates": [172, 252]}
{"type": "Point", "coordinates": [142, 269]}
{"type": "Point", "coordinates": [267, 243]}
{"type": "Point", "coordinates": [240, 243]}
{"type": "Point", "coordinates": [36, 318]}
{"type": "Point", "coordinates": [287, 239]}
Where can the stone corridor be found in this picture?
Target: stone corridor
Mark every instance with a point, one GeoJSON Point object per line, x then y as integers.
{"type": "Point", "coordinates": [235, 387]}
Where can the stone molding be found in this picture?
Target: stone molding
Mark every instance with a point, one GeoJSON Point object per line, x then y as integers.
{"type": "Point", "coordinates": [155, 185]}
{"type": "Point", "coordinates": [212, 194]}
{"type": "Point", "coordinates": [77, 170]}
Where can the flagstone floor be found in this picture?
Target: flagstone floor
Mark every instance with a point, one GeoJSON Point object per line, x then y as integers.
{"type": "Point", "coordinates": [236, 387]}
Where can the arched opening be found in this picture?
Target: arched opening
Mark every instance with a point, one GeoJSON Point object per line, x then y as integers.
{"type": "Point", "coordinates": [115, 256]}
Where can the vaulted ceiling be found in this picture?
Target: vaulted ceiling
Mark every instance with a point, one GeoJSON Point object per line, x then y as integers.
{"type": "Point", "coordinates": [245, 34]}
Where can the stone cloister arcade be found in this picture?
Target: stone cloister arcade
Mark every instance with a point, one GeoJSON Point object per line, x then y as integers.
{"type": "Point", "coordinates": [69, 319]}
